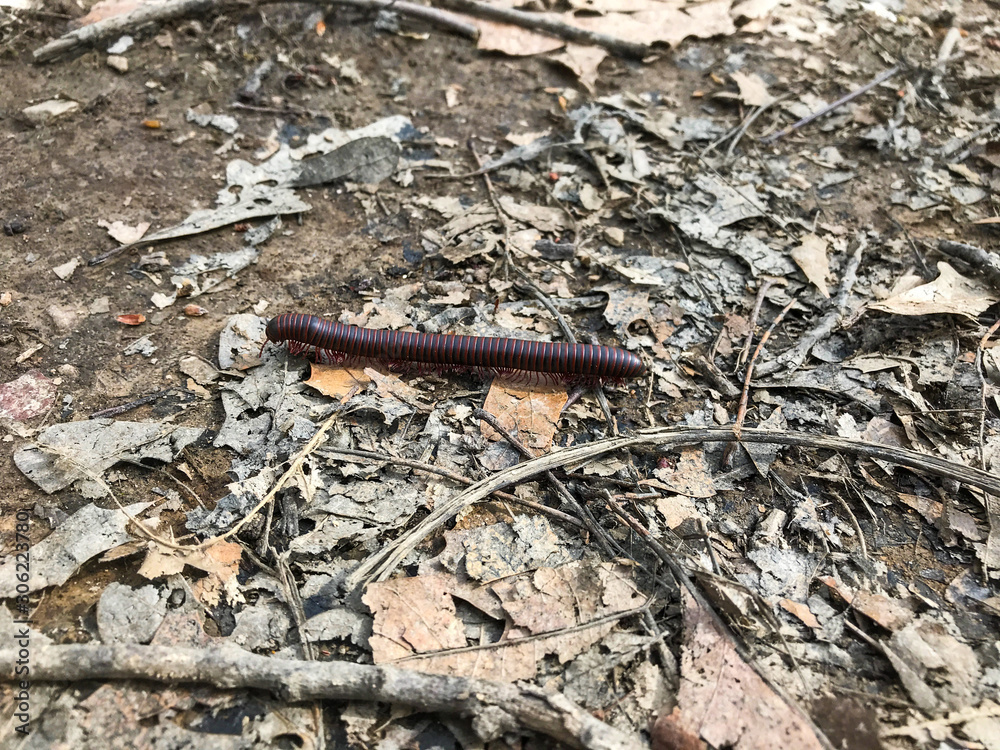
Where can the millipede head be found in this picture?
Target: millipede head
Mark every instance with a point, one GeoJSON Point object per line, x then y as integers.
{"type": "Point", "coordinates": [273, 331]}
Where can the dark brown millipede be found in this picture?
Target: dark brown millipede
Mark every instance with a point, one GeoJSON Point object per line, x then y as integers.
{"type": "Point", "coordinates": [338, 342]}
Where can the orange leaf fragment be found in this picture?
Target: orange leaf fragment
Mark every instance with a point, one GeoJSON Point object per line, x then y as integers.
{"type": "Point", "coordinates": [132, 319]}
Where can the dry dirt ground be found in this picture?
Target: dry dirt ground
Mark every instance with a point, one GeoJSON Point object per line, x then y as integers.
{"type": "Point", "coordinates": [101, 163]}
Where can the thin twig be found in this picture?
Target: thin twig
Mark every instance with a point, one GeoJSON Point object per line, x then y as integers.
{"type": "Point", "coordinates": [94, 33]}
{"type": "Point", "coordinates": [560, 633]}
{"type": "Point", "coordinates": [545, 25]}
{"type": "Point", "coordinates": [501, 214]}
{"type": "Point", "coordinates": [114, 411]}
{"type": "Point", "coordinates": [880, 78]}
{"type": "Point", "coordinates": [745, 397]}
{"type": "Point", "coordinates": [752, 325]}
{"type": "Point", "coordinates": [436, 17]}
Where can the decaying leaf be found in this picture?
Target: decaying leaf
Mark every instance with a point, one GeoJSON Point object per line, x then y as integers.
{"type": "Point", "coordinates": [337, 381]}
{"type": "Point", "coordinates": [86, 534]}
{"type": "Point", "coordinates": [753, 90]}
{"type": "Point", "coordinates": [530, 414]}
{"type": "Point", "coordinates": [221, 561]}
{"type": "Point", "coordinates": [583, 61]}
{"type": "Point", "coordinates": [548, 610]}
{"type": "Point", "coordinates": [722, 700]}
{"type": "Point", "coordinates": [950, 292]}
{"type": "Point", "coordinates": [891, 614]}
{"type": "Point", "coordinates": [66, 453]}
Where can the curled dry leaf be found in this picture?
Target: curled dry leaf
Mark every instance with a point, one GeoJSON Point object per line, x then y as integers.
{"type": "Point", "coordinates": [131, 319]}
{"type": "Point", "coordinates": [194, 311]}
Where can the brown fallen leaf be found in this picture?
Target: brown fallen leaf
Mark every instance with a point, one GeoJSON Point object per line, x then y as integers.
{"type": "Point", "coordinates": [801, 611]}
{"type": "Point", "coordinates": [413, 615]}
{"type": "Point", "coordinates": [950, 292]}
{"type": "Point", "coordinates": [583, 61]}
{"type": "Point", "coordinates": [531, 415]}
{"type": "Point", "coordinates": [891, 614]}
{"type": "Point", "coordinates": [753, 90]}
{"type": "Point", "coordinates": [513, 40]}
{"type": "Point", "coordinates": [726, 703]}
{"type": "Point", "coordinates": [337, 381]}
{"type": "Point", "coordinates": [564, 610]}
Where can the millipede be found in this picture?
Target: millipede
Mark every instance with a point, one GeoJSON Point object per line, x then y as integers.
{"type": "Point", "coordinates": [398, 349]}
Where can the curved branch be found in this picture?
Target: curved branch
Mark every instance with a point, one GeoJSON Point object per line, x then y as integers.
{"type": "Point", "coordinates": [381, 564]}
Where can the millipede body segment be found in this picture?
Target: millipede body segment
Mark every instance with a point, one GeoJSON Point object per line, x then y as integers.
{"type": "Point", "coordinates": [447, 351]}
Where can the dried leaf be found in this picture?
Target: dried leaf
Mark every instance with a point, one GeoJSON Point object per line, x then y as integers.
{"type": "Point", "coordinates": [123, 233]}
{"type": "Point", "coordinates": [221, 561]}
{"type": "Point", "coordinates": [531, 415]}
{"type": "Point", "coordinates": [948, 293]}
{"type": "Point", "coordinates": [753, 90]}
{"type": "Point", "coordinates": [583, 61]}
{"type": "Point", "coordinates": [811, 257]}
{"type": "Point", "coordinates": [336, 381]}
{"type": "Point", "coordinates": [724, 701]}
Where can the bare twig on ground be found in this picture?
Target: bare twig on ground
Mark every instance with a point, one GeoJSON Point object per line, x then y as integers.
{"type": "Point", "coordinates": [741, 413]}
{"type": "Point", "coordinates": [108, 27]}
{"type": "Point", "coordinates": [752, 323]}
{"type": "Point", "coordinates": [535, 637]}
{"type": "Point", "coordinates": [958, 143]}
{"type": "Point", "coordinates": [436, 17]}
{"type": "Point", "coordinates": [880, 78]}
{"type": "Point", "coordinates": [114, 411]}
{"type": "Point", "coordinates": [381, 564]}
{"type": "Point", "coordinates": [715, 377]}
{"type": "Point", "coordinates": [543, 25]}
{"type": "Point", "coordinates": [793, 358]}
{"type": "Point", "coordinates": [737, 133]}
{"type": "Point", "coordinates": [494, 707]}
{"type": "Point", "coordinates": [173, 9]}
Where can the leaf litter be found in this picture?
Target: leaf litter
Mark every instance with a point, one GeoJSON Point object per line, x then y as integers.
{"type": "Point", "coordinates": [677, 233]}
